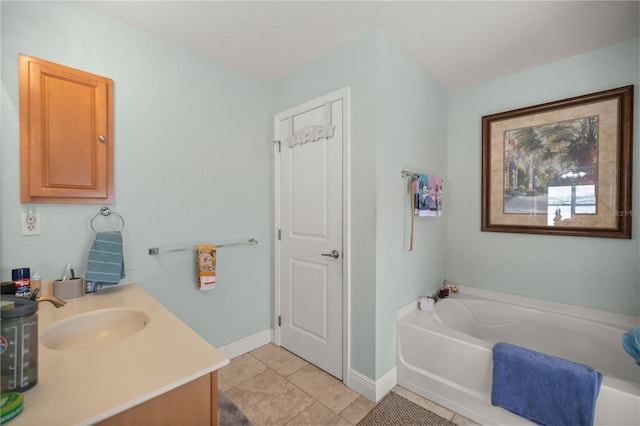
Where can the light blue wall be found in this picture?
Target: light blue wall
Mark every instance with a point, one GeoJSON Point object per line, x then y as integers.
{"type": "Point", "coordinates": [192, 153]}
{"type": "Point", "coordinates": [353, 65]}
{"type": "Point", "coordinates": [412, 123]}
{"type": "Point", "coordinates": [194, 164]}
{"type": "Point", "coordinates": [594, 272]}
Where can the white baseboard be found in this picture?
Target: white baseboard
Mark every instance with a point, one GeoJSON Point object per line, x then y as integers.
{"type": "Point", "coordinates": [386, 383]}
{"type": "Point", "coordinates": [247, 344]}
{"type": "Point", "coordinates": [370, 389]}
{"type": "Point", "coordinates": [362, 384]}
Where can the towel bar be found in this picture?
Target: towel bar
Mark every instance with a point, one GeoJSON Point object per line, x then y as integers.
{"type": "Point", "coordinates": [154, 251]}
{"type": "Point", "coordinates": [408, 173]}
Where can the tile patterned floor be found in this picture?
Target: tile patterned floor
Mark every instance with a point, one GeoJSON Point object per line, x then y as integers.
{"type": "Point", "coordinates": [272, 386]}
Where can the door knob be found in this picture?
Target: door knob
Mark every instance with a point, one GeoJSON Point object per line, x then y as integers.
{"type": "Point", "coordinates": [334, 253]}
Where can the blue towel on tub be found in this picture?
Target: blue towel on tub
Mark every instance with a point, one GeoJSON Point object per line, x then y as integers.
{"type": "Point", "coordinates": [105, 263]}
{"type": "Point", "coordinates": [542, 388]}
{"type": "Point", "coordinates": [631, 343]}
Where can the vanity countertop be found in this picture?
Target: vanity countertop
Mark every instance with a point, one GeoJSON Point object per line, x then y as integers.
{"type": "Point", "coordinates": [89, 385]}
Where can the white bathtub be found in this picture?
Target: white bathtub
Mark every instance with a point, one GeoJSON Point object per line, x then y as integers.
{"type": "Point", "coordinates": [446, 355]}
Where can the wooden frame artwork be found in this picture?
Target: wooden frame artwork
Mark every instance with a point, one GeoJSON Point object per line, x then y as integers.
{"type": "Point", "coordinates": [560, 168]}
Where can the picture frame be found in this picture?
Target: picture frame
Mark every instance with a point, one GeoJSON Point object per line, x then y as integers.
{"type": "Point", "coordinates": [560, 168]}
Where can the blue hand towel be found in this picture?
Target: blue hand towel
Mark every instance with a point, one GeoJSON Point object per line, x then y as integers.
{"type": "Point", "coordinates": [631, 343]}
{"type": "Point", "coordinates": [542, 388]}
{"type": "Point", "coordinates": [106, 262]}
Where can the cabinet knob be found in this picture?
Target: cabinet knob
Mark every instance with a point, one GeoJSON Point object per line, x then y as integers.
{"type": "Point", "coordinates": [102, 139]}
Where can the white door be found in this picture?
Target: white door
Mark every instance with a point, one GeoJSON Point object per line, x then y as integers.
{"type": "Point", "coordinates": [309, 215]}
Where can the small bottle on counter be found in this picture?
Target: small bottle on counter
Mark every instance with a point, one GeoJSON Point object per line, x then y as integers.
{"type": "Point", "coordinates": [36, 281]}
{"type": "Point", "coordinates": [22, 279]}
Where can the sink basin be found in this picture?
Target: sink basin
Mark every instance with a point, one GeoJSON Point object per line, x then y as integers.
{"type": "Point", "coordinates": [95, 328]}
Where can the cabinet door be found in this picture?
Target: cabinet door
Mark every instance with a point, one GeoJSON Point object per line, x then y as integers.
{"type": "Point", "coordinates": [194, 403]}
{"type": "Point", "coordinates": [66, 134]}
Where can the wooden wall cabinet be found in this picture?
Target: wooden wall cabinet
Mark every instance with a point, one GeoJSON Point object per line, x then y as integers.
{"type": "Point", "coordinates": [66, 134]}
{"type": "Point", "coordinates": [194, 403]}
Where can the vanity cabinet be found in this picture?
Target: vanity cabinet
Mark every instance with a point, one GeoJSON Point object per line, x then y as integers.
{"type": "Point", "coordinates": [66, 134]}
{"type": "Point", "coordinates": [194, 403]}
{"type": "Point", "coordinates": [165, 374]}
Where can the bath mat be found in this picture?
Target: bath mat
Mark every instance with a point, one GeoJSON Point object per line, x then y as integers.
{"type": "Point", "coordinates": [230, 414]}
{"type": "Point", "coordinates": [396, 410]}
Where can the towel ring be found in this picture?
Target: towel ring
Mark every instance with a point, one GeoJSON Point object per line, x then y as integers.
{"type": "Point", "coordinates": [106, 211]}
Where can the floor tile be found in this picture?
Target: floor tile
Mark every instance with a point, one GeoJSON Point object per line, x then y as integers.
{"type": "Point", "coordinates": [238, 370]}
{"type": "Point", "coordinates": [463, 421]}
{"type": "Point", "coordinates": [324, 387]}
{"type": "Point", "coordinates": [270, 399]}
{"type": "Point", "coordinates": [357, 410]}
{"type": "Point", "coordinates": [273, 386]}
{"type": "Point", "coordinates": [317, 415]}
{"type": "Point", "coordinates": [281, 360]}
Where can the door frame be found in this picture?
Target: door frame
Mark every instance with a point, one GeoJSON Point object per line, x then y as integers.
{"type": "Point", "coordinates": [343, 94]}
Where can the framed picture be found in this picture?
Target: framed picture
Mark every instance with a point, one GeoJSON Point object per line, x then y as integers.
{"type": "Point", "coordinates": [560, 168]}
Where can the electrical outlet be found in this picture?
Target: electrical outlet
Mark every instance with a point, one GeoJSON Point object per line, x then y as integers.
{"type": "Point", "coordinates": [30, 223]}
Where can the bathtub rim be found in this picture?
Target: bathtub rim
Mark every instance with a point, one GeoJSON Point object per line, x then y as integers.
{"type": "Point", "coordinates": [582, 312]}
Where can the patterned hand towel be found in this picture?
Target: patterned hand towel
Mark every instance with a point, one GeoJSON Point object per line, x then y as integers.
{"type": "Point", "coordinates": [106, 262]}
{"type": "Point", "coordinates": [428, 201]}
{"type": "Point", "coordinates": [206, 265]}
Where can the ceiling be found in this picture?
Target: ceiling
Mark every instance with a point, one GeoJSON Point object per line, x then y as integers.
{"type": "Point", "coordinates": [458, 43]}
